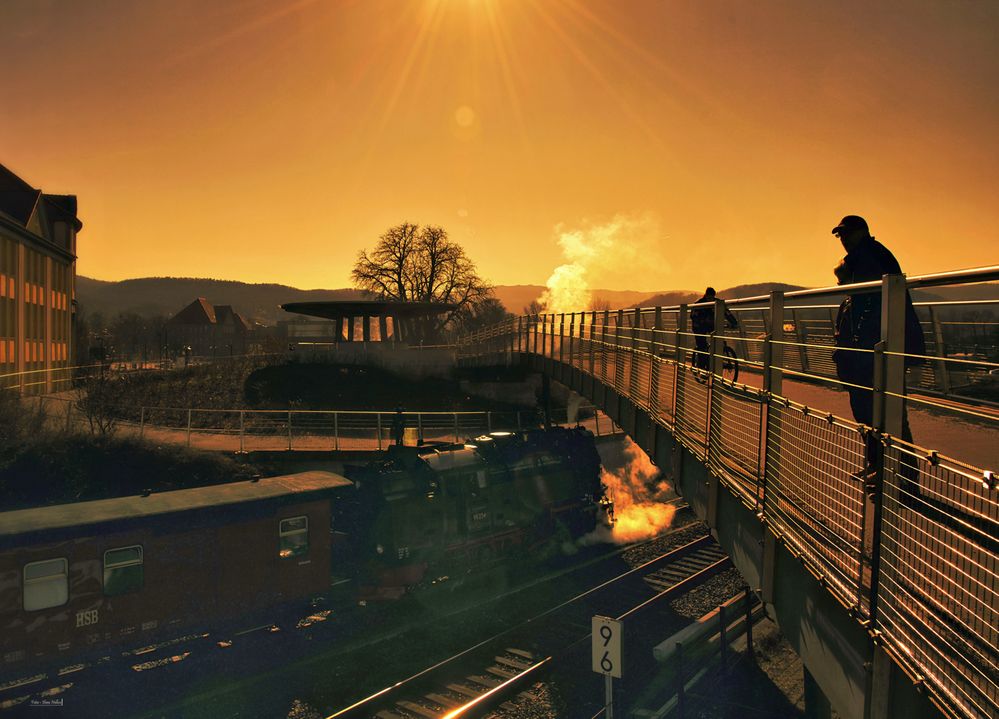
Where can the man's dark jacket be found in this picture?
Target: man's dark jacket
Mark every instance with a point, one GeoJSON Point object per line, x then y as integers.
{"type": "Point", "coordinates": [702, 319]}
{"type": "Point", "coordinates": [858, 323]}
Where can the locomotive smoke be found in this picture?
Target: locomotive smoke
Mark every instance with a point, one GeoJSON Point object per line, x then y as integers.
{"type": "Point", "coordinates": [638, 491]}
{"type": "Point", "coordinates": [618, 252]}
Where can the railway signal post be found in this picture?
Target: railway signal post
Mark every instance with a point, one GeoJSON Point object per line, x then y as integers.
{"type": "Point", "coordinates": [606, 654]}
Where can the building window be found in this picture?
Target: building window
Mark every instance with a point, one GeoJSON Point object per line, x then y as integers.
{"type": "Point", "coordinates": [294, 537]}
{"type": "Point", "coordinates": [122, 571]}
{"type": "Point", "coordinates": [46, 584]}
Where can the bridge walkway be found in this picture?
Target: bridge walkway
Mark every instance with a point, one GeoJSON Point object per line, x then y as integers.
{"type": "Point", "coordinates": [891, 600]}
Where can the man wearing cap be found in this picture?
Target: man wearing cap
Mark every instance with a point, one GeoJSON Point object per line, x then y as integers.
{"type": "Point", "coordinates": [858, 326]}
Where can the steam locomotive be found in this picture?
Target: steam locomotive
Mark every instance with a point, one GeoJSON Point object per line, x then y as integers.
{"type": "Point", "coordinates": [132, 570]}
{"type": "Point", "coordinates": [437, 509]}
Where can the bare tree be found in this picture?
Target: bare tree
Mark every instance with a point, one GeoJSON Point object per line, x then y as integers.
{"type": "Point", "coordinates": [484, 314]}
{"type": "Point", "coordinates": [100, 400]}
{"type": "Point", "coordinates": [420, 264]}
{"type": "Point", "coordinates": [536, 307]}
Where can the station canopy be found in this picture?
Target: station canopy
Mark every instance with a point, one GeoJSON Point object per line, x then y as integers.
{"type": "Point", "coordinates": [368, 308]}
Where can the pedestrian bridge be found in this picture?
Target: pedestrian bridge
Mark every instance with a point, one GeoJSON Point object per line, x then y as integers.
{"type": "Point", "coordinates": [892, 601]}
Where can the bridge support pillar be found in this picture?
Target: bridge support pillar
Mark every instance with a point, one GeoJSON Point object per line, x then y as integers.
{"type": "Point", "coordinates": [816, 703]}
{"type": "Point", "coordinates": [768, 564]}
{"type": "Point", "coordinates": [546, 399]}
{"type": "Point", "coordinates": [879, 689]}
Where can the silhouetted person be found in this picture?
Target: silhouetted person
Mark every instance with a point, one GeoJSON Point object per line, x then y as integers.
{"type": "Point", "coordinates": [702, 322]}
{"type": "Point", "coordinates": [858, 326]}
{"type": "Point", "coordinates": [398, 426]}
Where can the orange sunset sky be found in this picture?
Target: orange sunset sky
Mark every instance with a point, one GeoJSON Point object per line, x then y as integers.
{"type": "Point", "coordinates": [701, 142]}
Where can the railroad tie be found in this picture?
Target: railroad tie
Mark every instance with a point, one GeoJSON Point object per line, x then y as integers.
{"type": "Point", "coordinates": [444, 701]}
{"type": "Point", "coordinates": [484, 680]}
{"type": "Point", "coordinates": [464, 691]}
{"type": "Point", "coordinates": [386, 714]}
{"type": "Point", "coordinates": [521, 653]}
{"type": "Point", "coordinates": [517, 664]}
{"type": "Point", "coordinates": [502, 672]}
{"type": "Point", "coordinates": [418, 709]}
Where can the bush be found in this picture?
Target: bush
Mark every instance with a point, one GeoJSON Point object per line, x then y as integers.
{"type": "Point", "coordinates": [57, 470]}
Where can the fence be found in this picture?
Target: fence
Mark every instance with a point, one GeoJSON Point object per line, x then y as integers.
{"type": "Point", "coordinates": [904, 536]}
{"type": "Point", "coordinates": [245, 430]}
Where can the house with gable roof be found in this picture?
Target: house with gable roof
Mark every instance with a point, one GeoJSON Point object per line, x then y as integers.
{"type": "Point", "coordinates": [209, 330]}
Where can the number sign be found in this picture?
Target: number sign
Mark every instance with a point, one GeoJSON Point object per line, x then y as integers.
{"type": "Point", "coordinates": [606, 635]}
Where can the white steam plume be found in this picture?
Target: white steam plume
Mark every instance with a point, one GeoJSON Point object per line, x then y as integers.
{"type": "Point", "coordinates": [624, 250]}
{"type": "Point", "coordinates": [638, 492]}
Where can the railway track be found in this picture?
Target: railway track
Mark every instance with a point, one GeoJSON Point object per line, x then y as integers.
{"type": "Point", "coordinates": [512, 661]}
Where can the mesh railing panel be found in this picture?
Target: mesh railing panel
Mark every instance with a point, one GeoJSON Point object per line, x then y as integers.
{"type": "Point", "coordinates": [938, 592]}
{"type": "Point", "coordinates": [661, 391]}
{"type": "Point", "coordinates": [641, 380]}
{"type": "Point", "coordinates": [691, 420]}
{"type": "Point", "coordinates": [812, 497]}
{"type": "Point", "coordinates": [622, 370]}
{"type": "Point", "coordinates": [735, 449]}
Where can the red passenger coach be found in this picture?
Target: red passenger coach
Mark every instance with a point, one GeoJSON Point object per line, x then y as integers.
{"type": "Point", "coordinates": [75, 577]}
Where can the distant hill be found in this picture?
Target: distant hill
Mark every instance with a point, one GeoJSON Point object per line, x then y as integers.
{"type": "Point", "coordinates": [676, 297]}
{"type": "Point", "coordinates": [516, 297]}
{"type": "Point", "coordinates": [168, 295]}
{"type": "Point", "coordinates": [260, 302]}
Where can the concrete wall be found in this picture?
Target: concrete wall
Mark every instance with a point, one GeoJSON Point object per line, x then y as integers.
{"type": "Point", "coordinates": [411, 363]}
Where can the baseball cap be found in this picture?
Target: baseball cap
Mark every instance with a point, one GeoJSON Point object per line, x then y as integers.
{"type": "Point", "coordinates": [851, 222]}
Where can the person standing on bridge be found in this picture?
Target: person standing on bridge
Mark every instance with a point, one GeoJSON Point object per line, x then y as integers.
{"type": "Point", "coordinates": [858, 327]}
{"type": "Point", "coordinates": [398, 426]}
{"type": "Point", "coordinates": [702, 323]}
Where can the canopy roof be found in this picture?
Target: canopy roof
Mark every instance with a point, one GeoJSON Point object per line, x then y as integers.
{"type": "Point", "coordinates": [368, 308]}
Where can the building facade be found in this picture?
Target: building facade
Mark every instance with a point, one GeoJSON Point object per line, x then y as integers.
{"type": "Point", "coordinates": [210, 330]}
{"type": "Point", "coordinates": [37, 286]}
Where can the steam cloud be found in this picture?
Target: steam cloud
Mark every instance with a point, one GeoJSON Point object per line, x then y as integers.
{"type": "Point", "coordinates": [638, 492]}
{"type": "Point", "coordinates": [617, 252]}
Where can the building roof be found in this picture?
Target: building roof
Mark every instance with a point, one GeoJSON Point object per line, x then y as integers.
{"type": "Point", "coordinates": [226, 315]}
{"type": "Point", "coordinates": [20, 202]}
{"type": "Point", "coordinates": [82, 514]}
{"type": "Point", "coordinates": [202, 312]}
{"type": "Point", "coordinates": [368, 308]}
{"type": "Point", "coordinates": [199, 312]}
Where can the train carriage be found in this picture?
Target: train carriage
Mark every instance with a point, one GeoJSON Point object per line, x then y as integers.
{"type": "Point", "coordinates": [82, 576]}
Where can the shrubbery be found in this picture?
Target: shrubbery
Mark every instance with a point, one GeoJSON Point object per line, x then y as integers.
{"type": "Point", "coordinates": [40, 465]}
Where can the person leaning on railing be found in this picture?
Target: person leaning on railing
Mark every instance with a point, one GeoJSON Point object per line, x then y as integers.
{"type": "Point", "coordinates": [858, 327]}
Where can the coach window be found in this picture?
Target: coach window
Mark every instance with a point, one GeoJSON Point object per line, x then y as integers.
{"type": "Point", "coordinates": [294, 536]}
{"type": "Point", "coordinates": [122, 570]}
{"type": "Point", "coordinates": [46, 584]}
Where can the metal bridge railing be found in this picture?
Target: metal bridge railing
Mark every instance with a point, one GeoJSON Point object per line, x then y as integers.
{"type": "Point", "coordinates": [245, 430]}
{"type": "Point", "coordinates": [914, 556]}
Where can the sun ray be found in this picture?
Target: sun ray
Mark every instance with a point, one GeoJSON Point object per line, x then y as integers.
{"type": "Point", "coordinates": [600, 30]}
{"type": "Point", "coordinates": [219, 40]}
{"type": "Point", "coordinates": [423, 35]}
{"type": "Point", "coordinates": [500, 40]}
{"type": "Point", "coordinates": [599, 76]}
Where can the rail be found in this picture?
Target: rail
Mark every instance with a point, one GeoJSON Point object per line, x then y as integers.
{"type": "Point", "coordinates": [914, 557]}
